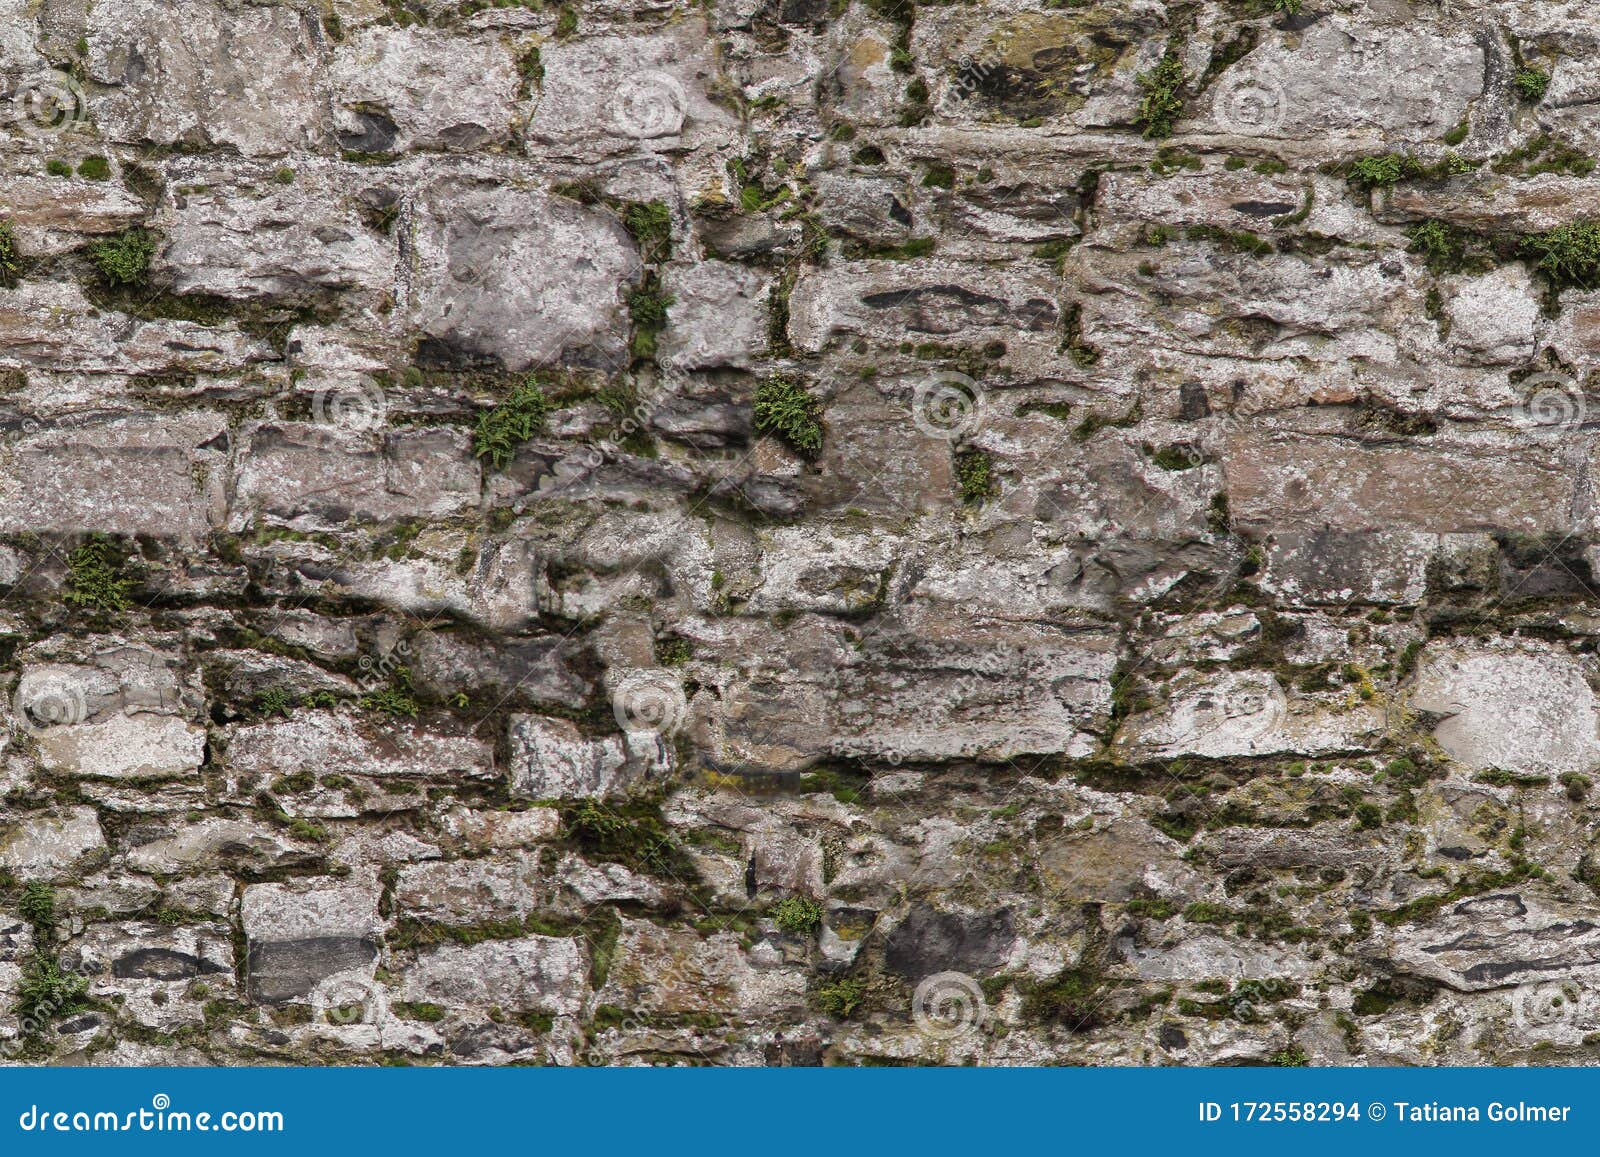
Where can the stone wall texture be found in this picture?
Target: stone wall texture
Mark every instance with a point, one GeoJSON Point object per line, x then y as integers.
{"type": "Point", "coordinates": [799, 532]}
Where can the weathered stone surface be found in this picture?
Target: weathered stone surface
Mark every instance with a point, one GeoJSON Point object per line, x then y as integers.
{"type": "Point", "coordinates": [1501, 939]}
{"type": "Point", "coordinates": [928, 941]}
{"type": "Point", "coordinates": [218, 844]}
{"type": "Point", "coordinates": [198, 73]}
{"type": "Point", "coordinates": [406, 88]}
{"type": "Point", "coordinates": [550, 759]}
{"type": "Point", "coordinates": [1527, 708]}
{"type": "Point", "coordinates": [1291, 481]}
{"type": "Point", "coordinates": [537, 973]}
{"type": "Point", "coordinates": [710, 975]}
{"type": "Point", "coordinates": [517, 276]}
{"type": "Point", "coordinates": [119, 474]}
{"type": "Point", "coordinates": [470, 469]}
{"type": "Point", "coordinates": [1248, 713]}
{"type": "Point", "coordinates": [53, 847]}
{"type": "Point", "coordinates": [468, 891]}
{"type": "Point", "coordinates": [301, 933]}
{"type": "Point", "coordinates": [331, 743]}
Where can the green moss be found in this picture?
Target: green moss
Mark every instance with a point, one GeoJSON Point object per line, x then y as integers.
{"type": "Point", "coordinates": [396, 699]}
{"type": "Point", "coordinates": [1568, 255]}
{"type": "Point", "coordinates": [1094, 423]}
{"type": "Point", "coordinates": [1499, 777]}
{"type": "Point", "coordinates": [47, 993]}
{"type": "Point", "coordinates": [650, 223]}
{"type": "Point", "coordinates": [797, 914]}
{"type": "Point", "coordinates": [94, 577]}
{"type": "Point", "coordinates": [1236, 240]}
{"type": "Point", "coordinates": [1168, 161]}
{"type": "Point", "coordinates": [94, 169]}
{"type": "Point", "coordinates": [1293, 1057]}
{"type": "Point", "coordinates": [125, 258]}
{"type": "Point", "coordinates": [1458, 134]}
{"type": "Point", "coordinates": [975, 476]}
{"type": "Point", "coordinates": [10, 262]}
{"type": "Point", "coordinates": [673, 651]}
{"type": "Point", "coordinates": [1440, 246]}
{"type": "Point", "coordinates": [566, 22]}
{"type": "Point", "coordinates": [840, 998]}
{"type": "Point", "coordinates": [1162, 102]}
{"type": "Point", "coordinates": [784, 408]}
{"type": "Point", "coordinates": [430, 1013]}
{"type": "Point", "coordinates": [907, 250]}
{"type": "Point", "coordinates": [1177, 457]}
{"type": "Point", "coordinates": [1073, 1000]}
{"type": "Point", "coordinates": [57, 167]}
{"type": "Point", "coordinates": [1380, 171]}
{"type": "Point", "coordinates": [1153, 909]}
{"type": "Point", "coordinates": [628, 832]}
{"type": "Point", "coordinates": [501, 430]}
{"type": "Point", "coordinates": [1531, 84]}
{"type": "Point", "coordinates": [1545, 154]}
{"type": "Point", "coordinates": [274, 701]}
{"type": "Point", "coordinates": [647, 307]}
{"type": "Point", "coordinates": [37, 905]}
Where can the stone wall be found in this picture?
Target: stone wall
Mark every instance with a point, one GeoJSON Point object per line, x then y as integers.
{"type": "Point", "coordinates": [784, 532]}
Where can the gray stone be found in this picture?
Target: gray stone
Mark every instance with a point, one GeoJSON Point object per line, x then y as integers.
{"type": "Point", "coordinates": [301, 933]}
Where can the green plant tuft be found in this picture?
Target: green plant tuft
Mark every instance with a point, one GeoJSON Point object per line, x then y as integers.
{"type": "Point", "coordinates": [798, 914]}
{"type": "Point", "coordinates": [784, 408]}
{"type": "Point", "coordinates": [37, 905]}
{"type": "Point", "coordinates": [10, 265]}
{"type": "Point", "coordinates": [1162, 102]}
{"type": "Point", "coordinates": [46, 992]}
{"type": "Point", "coordinates": [396, 699]}
{"type": "Point", "coordinates": [975, 476]}
{"type": "Point", "coordinates": [1568, 255]}
{"type": "Point", "coordinates": [1531, 84]}
{"type": "Point", "coordinates": [125, 258]}
{"type": "Point", "coordinates": [95, 579]}
{"type": "Point", "coordinates": [840, 998]}
{"type": "Point", "coordinates": [501, 430]}
{"type": "Point", "coordinates": [647, 307]}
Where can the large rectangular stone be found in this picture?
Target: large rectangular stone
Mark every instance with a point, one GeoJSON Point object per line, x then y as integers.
{"type": "Point", "coordinates": [1300, 481]}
